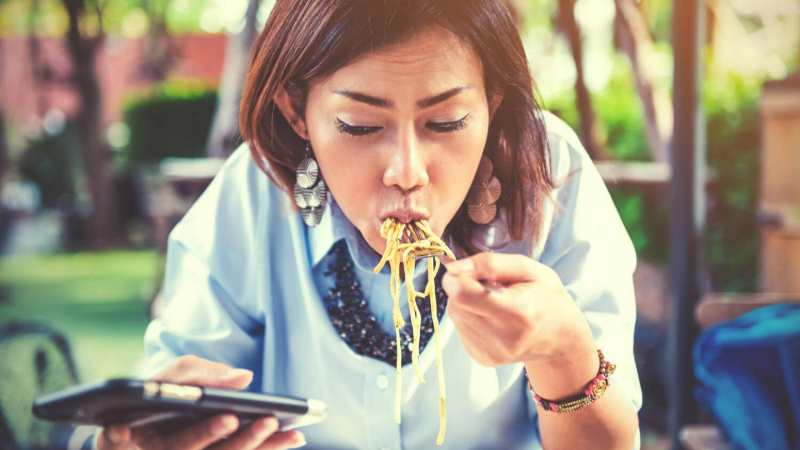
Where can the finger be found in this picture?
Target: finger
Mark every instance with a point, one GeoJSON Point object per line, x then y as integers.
{"type": "Point", "coordinates": [465, 292]}
{"type": "Point", "coordinates": [198, 436]}
{"type": "Point", "coordinates": [202, 372]}
{"type": "Point", "coordinates": [283, 440]}
{"type": "Point", "coordinates": [114, 437]}
{"type": "Point", "coordinates": [142, 435]}
{"type": "Point", "coordinates": [506, 269]}
{"type": "Point", "coordinates": [250, 437]}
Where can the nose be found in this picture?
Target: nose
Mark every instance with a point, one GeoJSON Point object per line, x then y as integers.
{"type": "Point", "coordinates": [407, 167]}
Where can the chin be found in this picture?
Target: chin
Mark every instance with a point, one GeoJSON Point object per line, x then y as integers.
{"type": "Point", "coordinates": [372, 235]}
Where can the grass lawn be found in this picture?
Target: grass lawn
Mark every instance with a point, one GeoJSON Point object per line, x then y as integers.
{"type": "Point", "coordinates": [95, 299]}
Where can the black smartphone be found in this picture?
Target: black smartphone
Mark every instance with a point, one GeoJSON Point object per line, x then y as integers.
{"type": "Point", "coordinates": [168, 406]}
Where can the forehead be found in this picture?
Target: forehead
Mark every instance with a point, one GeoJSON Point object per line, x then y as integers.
{"type": "Point", "coordinates": [431, 61]}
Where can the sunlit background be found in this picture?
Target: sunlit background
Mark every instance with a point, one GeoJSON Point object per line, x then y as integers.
{"type": "Point", "coordinates": [114, 115]}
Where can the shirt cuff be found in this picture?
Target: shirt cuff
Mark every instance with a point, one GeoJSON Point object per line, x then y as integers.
{"type": "Point", "coordinates": [84, 438]}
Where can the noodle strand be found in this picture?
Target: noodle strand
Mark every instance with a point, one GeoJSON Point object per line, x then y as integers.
{"type": "Point", "coordinates": [398, 253]}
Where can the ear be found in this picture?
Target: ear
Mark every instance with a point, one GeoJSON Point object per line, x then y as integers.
{"type": "Point", "coordinates": [285, 103]}
{"type": "Point", "coordinates": [494, 103]}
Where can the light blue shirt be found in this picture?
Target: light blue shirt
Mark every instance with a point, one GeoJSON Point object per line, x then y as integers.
{"type": "Point", "coordinates": [244, 286]}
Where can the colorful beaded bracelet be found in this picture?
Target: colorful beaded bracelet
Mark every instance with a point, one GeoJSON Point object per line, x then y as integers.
{"type": "Point", "coordinates": [596, 388]}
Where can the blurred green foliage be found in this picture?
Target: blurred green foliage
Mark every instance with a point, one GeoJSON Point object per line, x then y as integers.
{"type": "Point", "coordinates": [53, 163]}
{"type": "Point", "coordinates": [130, 18]}
{"type": "Point", "coordinates": [733, 145]}
{"type": "Point", "coordinates": [618, 108]}
{"type": "Point", "coordinates": [734, 142]}
{"type": "Point", "coordinates": [172, 119]}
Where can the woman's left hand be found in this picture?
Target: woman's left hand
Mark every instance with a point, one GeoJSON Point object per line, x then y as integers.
{"type": "Point", "coordinates": [532, 317]}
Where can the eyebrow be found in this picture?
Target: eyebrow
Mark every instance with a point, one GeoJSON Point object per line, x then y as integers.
{"type": "Point", "coordinates": [388, 104]}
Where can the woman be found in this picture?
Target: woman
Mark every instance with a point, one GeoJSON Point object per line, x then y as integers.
{"type": "Point", "coordinates": [400, 103]}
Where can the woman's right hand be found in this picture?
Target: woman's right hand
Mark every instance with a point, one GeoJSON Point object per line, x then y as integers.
{"type": "Point", "coordinates": [217, 433]}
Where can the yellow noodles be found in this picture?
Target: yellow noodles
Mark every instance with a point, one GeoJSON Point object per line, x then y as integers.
{"type": "Point", "coordinates": [395, 254]}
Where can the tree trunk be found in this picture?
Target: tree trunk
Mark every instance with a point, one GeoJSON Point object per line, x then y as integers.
{"type": "Point", "coordinates": [635, 40]}
{"type": "Point", "coordinates": [34, 51]}
{"type": "Point", "coordinates": [591, 131]}
{"type": "Point", "coordinates": [103, 226]}
{"type": "Point", "coordinates": [159, 50]}
{"type": "Point", "coordinates": [225, 126]}
{"type": "Point", "coordinates": [5, 161]}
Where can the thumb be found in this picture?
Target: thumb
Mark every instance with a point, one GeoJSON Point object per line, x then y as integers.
{"type": "Point", "coordinates": [202, 372]}
{"type": "Point", "coordinates": [114, 437]}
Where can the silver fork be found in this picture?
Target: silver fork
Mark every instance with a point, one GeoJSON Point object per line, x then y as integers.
{"type": "Point", "coordinates": [413, 234]}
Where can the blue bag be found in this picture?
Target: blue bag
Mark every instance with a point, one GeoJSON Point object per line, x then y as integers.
{"type": "Point", "coordinates": [749, 374]}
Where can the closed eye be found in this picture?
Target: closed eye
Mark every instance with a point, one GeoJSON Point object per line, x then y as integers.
{"type": "Point", "coordinates": [439, 127]}
{"type": "Point", "coordinates": [446, 127]}
{"type": "Point", "coordinates": [355, 130]}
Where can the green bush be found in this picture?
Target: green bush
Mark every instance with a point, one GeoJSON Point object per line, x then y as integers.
{"type": "Point", "coordinates": [620, 112]}
{"type": "Point", "coordinates": [53, 162]}
{"type": "Point", "coordinates": [734, 142]}
{"type": "Point", "coordinates": [731, 240]}
{"type": "Point", "coordinates": [170, 120]}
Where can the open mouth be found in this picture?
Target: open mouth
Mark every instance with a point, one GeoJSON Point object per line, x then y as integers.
{"type": "Point", "coordinates": [404, 215]}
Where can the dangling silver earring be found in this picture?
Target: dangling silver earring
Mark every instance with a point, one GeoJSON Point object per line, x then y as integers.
{"type": "Point", "coordinates": [310, 192]}
{"type": "Point", "coordinates": [484, 193]}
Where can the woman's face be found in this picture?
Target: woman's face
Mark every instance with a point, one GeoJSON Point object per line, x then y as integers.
{"type": "Point", "coordinates": [400, 132]}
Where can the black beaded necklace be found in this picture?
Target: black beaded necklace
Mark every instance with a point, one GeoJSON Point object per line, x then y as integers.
{"type": "Point", "coordinates": [351, 317]}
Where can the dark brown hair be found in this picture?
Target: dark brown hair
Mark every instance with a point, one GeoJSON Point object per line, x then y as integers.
{"type": "Point", "coordinates": [303, 39]}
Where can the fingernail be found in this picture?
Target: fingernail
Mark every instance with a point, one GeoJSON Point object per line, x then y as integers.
{"type": "Point", "coordinates": [223, 425]}
{"type": "Point", "coordinates": [113, 435]}
{"type": "Point", "coordinates": [301, 441]}
{"type": "Point", "coordinates": [461, 266]}
{"type": "Point", "coordinates": [268, 425]}
{"type": "Point", "coordinates": [236, 373]}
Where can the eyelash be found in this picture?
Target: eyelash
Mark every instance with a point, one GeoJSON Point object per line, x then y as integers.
{"type": "Point", "coordinates": [445, 127]}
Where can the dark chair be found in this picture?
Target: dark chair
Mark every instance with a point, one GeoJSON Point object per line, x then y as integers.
{"type": "Point", "coordinates": [34, 360]}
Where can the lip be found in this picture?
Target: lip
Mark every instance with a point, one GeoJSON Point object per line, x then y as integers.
{"type": "Point", "coordinates": [404, 215]}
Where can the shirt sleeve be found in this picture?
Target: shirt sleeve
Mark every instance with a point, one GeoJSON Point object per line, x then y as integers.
{"type": "Point", "coordinates": [589, 248]}
{"type": "Point", "coordinates": [208, 306]}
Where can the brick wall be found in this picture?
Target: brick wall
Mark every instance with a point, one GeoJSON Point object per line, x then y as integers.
{"type": "Point", "coordinates": [199, 57]}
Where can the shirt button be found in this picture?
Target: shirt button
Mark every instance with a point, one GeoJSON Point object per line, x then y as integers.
{"type": "Point", "coordinates": [383, 382]}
